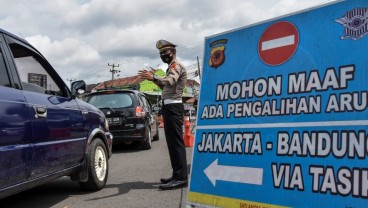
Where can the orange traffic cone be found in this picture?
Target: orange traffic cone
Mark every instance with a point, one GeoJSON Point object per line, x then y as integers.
{"type": "Point", "coordinates": [188, 137]}
{"type": "Point", "coordinates": [161, 125]}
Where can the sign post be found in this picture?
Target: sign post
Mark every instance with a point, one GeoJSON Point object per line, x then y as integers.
{"type": "Point", "coordinates": [283, 113]}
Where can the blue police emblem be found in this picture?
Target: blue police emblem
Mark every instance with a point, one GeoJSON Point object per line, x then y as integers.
{"type": "Point", "coordinates": [355, 23]}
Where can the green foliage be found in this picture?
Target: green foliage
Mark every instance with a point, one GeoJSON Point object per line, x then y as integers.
{"type": "Point", "coordinates": [149, 86]}
{"type": "Point", "coordinates": [160, 73]}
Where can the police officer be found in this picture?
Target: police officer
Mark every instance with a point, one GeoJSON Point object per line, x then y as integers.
{"type": "Point", "coordinates": [172, 86]}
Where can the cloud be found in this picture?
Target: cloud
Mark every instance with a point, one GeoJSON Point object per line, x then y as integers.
{"type": "Point", "coordinates": [81, 37]}
{"type": "Point", "coordinates": [67, 51]}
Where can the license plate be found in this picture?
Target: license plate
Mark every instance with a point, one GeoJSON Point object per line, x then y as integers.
{"type": "Point", "coordinates": [114, 120]}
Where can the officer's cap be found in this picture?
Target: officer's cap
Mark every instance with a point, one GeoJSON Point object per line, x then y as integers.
{"type": "Point", "coordinates": [162, 45]}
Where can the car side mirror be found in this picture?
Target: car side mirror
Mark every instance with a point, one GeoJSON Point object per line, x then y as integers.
{"type": "Point", "coordinates": [78, 87]}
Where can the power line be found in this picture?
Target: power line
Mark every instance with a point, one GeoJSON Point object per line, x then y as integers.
{"type": "Point", "coordinates": [70, 81]}
{"type": "Point", "coordinates": [91, 72]}
{"type": "Point", "coordinates": [189, 50]}
{"type": "Point", "coordinates": [113, 70]}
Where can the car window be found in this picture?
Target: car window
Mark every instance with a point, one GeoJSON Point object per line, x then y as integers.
{"type": "Point", "coordinates": [117, 100]}
{"type": "Point", "coordinates": [4, 78]}
{"type": "Point", "coordinates": [146, 102]}
{"type": "Point", "coordinates": [33, 75]}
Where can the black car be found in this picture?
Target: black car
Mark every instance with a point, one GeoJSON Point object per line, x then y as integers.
{"type": "Point", "coordinates": [130, 115]}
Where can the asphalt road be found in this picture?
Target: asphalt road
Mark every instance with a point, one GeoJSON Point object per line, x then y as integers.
{"type": "Point", "coordinates": [133, 175]}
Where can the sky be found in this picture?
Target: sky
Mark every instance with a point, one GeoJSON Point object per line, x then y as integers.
{"type": "Point", "coordinates": [82, 39]}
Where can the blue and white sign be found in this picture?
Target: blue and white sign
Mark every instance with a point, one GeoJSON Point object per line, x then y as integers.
{"type": "Point", "coordinates": [282, 116]}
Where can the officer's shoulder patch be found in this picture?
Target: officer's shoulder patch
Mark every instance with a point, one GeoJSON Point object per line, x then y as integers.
{"type": "Point", "coordinates": [174, 67]}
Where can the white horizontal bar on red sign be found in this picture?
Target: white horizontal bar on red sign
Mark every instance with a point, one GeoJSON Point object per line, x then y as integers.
{"type": "Point", "coordinates": [277, 43]}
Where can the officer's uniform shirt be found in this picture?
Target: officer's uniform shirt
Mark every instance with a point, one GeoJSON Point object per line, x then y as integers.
{"type": "Point", "coordinates": [173, 83]}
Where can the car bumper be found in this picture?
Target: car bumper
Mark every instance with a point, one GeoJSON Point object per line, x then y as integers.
{"type": "Point", "coordinates": [137, 134]}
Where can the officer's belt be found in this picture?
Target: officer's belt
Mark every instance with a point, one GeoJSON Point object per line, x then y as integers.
{"type": "Point", "coordinates": [170, 101]}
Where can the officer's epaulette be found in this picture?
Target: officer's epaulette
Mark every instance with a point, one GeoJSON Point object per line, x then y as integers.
{"type": "Point", "coordinates": [173, 67]}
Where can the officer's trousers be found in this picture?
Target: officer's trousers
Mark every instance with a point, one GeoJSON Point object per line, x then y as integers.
{"type": "Point", "coordinates": [173, 127]}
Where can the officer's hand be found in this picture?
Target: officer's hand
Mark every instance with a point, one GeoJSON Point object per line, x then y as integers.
{"type": "Point", "coordinates": [144, 74]}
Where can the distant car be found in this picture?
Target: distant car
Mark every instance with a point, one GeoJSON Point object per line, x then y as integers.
{"type": "Point", "coordinates": [130, 115]}
{"type": "Point", "coordinates": [46, 132]}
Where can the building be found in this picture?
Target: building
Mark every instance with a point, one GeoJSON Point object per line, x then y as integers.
{"type": "Point", "coordinates": [191, 90]}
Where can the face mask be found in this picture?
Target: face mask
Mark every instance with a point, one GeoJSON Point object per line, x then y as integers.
{"type": "Point", "coordinates": [166, 58]}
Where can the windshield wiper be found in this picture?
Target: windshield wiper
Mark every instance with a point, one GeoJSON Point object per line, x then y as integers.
{"type": "Point", "coordinates": [108, 108]}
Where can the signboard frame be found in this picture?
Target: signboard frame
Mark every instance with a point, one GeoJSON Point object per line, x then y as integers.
{"type": "Point", "coordinates": [290, 134]}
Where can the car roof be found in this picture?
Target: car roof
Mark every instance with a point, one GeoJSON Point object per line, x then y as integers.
{"type": "Point", "coordinates": [21, 40]}
{"type": "Point", "coordinates": [12, 35]}
{"type": "Point", "coordinates": [106, 91]}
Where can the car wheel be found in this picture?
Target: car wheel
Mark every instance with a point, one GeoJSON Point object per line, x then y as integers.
{"type": "Point", "coordinates": [147, 144]}
{"type": "Point", "coordinates": [98, 166]}
{"type": "Point", "coordinates": [157, 136]}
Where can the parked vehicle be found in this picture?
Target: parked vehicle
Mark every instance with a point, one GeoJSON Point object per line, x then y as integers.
{"type": "Point", "coordinates": [130, 115]}
{"type": "Point", "coordinates": [45, 131]}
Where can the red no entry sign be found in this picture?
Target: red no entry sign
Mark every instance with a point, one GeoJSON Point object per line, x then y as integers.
{"type": "Point", "coordinates": [278, 43]}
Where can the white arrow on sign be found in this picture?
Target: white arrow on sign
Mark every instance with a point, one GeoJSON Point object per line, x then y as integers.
{"type": "Point", "coordinates": [247, 175]}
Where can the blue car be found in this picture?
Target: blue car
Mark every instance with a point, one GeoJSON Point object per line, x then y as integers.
{"type": "Point", "coordinates": [46, 132]}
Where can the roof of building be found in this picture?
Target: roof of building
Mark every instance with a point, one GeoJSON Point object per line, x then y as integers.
{"type": "Point", "coordinates": [132, 81]}
{"type": "Point", "coordinates": [126, 81]}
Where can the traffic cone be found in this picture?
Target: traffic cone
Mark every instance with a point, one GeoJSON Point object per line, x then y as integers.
{"type": "Point", "coordinates": [161, 125]}
{"type": "Point", "coordinates": [188, 137]}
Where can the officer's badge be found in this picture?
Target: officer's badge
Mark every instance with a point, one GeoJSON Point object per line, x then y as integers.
{"type": "Point", "coordinates": [355, 23]}
{"type": "Point", "coordinates": [217, 53]}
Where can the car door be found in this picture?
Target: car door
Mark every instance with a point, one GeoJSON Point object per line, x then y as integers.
{"type": "Point", "coordinates": [151, 117]}
{"type": "Point", "coordinates": [58, 133]}
{"type": "Point", "coordinates": [15, 128]}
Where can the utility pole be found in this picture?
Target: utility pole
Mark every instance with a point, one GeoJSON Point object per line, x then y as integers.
{"type": "Point", "coordinates": [199, 69]}
{"type": "Point", "coordinates": [113, 70]}
{"type": "Point", "coordinates": [70, 80]}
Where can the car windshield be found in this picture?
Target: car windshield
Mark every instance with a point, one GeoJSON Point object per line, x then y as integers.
{"type": "Point", "coordinates": [117, 100]}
